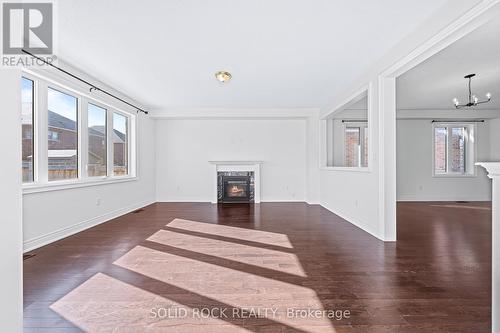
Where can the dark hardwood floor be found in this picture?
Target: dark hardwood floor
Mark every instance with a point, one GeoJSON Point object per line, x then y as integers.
{"type": "Point", "coordinates": [436, 278]}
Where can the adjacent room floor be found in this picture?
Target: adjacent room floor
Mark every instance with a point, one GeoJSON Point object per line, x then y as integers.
{"type": "Point", "coordinates": [265, 268]}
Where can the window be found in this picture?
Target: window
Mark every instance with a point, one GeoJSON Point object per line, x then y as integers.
{"type": "Point", "coordinates": [454, 149]}
{"type": "Point", "coordinates": [27, 115]}
{"type": "Point", "coordinates": [63, 151]}
{"type": "Point", "coordinates": [346, 133]}
{"type": "Point", "coordinates": [84, 140]}
{"type": "Point", "coordinates": [440, 148]}
{"type": "Point", "coordinates": [355, 145]}
{"type": "Point", "coordinates": [457, 149]}
{"type": "Point", "coordinates": [97, 158]}
{"type": "Point", "coordinates": [53, 135]}
{"type": "Point", "coordinates": [120, 144]}
{"type": "Point", "coordinates": [352, 146]}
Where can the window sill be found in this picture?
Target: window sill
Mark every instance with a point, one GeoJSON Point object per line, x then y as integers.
{"type": "Point", "coordinates": [67, 185]}
{"type": "Point", "coordinates": [450, 175]}
{"type": "Point", "coordinates": [349, 169]}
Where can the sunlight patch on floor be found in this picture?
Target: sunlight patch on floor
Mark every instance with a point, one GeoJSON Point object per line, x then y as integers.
{"type": "Point", "coordinates": [265, 237]}
{"type": "Point", "coordinates": [193, 270]}
{"type": "Point", "coordinates": [462, 207]}
{"type": "Point", "coordinates": [105, 304]}
{"type": "Point", "coordinates": [265, 258]}
{"type": "Point", "coordinates": [233, 287]}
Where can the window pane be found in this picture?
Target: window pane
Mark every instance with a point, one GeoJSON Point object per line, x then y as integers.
{"type": "Point", "coordinates": [365, 148]}
{"type": "Point", "coordinates": [27, 92]}
{"type": "Point", "coordinates": [120, 145]}
{"type": "Point", "coordinates": [440, 134]}
{"type": "Point", "coordinates": [352, 146]}
{"type": "Point", "coordinates": [457, 149]}
{"type": "Point", "coordinates": [62, 135]}
{"type": "Point", "coordinates": [97, 141]}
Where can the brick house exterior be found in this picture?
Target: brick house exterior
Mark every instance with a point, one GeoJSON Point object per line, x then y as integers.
{"type": "Point", "coordinates": [63, 152]}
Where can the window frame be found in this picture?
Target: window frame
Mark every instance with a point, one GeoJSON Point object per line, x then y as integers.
{"type": "Point", "coordinates": [79, 164]}
{"type": "Point", "coordinates": [129, 144]}
{"type": "Point", "coordinates": [40, 136]}
{"type": "Point", "coordinates": [470, 149]}
{"type": "Point", "coordinates": [34, 131]}
{"type": "Point", "coordinates": [86, 141]}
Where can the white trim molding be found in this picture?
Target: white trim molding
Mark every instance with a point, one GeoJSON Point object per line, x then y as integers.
{"type": "Point", "coordinates": [253, 166]}
{"type": "Point", "coordinates": [66, 185]}
{"type": "Point", "coordinates": [493, 169]}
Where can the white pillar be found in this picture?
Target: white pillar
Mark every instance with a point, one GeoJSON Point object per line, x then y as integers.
{"type": "Point", "coordinates": [493, 169]}
{"type": "Point", "coordinates": [11, 237]}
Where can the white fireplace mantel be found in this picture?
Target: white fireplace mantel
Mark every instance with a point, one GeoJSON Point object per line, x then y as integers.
{"type": "Point", "coordinates": [493, 169]}
{"type": "Point", "coordinates": [221, 166]}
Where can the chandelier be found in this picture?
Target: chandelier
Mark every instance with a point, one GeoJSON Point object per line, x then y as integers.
{"type": "Point", "coordinates": [473, 100]}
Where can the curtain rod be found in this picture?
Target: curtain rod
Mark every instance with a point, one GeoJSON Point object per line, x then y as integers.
{"type": "Point", "coordinates": [459, 121]}
{"type": "Point", "coordinates": [92, 86]}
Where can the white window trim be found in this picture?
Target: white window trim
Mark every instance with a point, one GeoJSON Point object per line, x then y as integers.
{"type": "Point", "coordinates": [40, 132]}
{"type": "Point", "coordinates": [470, 148]}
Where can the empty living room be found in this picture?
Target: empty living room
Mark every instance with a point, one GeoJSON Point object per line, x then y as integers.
{"type": "Point", "coordinates": [250, 166]}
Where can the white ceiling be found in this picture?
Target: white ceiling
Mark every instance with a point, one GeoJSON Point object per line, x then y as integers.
{"type": "Point", "coordinates": [434, 83]}
{"type": "Point", "coordinates": [282, 53]}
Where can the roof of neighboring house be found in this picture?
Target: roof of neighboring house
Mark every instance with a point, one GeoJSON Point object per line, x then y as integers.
{"type": "Point", "coordinates": [118, 137]}
{"type": "Point", "coordinates": [58, 121]}
{"type": "Point", "coordinates": [97, 130]}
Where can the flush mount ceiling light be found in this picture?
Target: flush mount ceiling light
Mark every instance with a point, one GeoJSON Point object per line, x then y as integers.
{"type": "Point", "coordinates": [473, 100]}
{"type": "Point", "coordinates": [223, 76]}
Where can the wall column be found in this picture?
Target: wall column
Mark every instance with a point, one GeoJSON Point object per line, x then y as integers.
{"type": "Point", "coordinates": [11, 237]}
{"type": "Point", "coordinates": [493, 169]}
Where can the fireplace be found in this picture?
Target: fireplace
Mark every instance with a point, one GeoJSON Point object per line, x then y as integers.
{"type": "Point", "coordinates": [235, 187]}
{"type": "Point", "coordinates": [236, 181]}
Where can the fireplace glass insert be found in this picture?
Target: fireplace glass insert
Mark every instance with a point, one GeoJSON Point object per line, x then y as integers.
{"type": "Point", "coordinates": [236, 188]}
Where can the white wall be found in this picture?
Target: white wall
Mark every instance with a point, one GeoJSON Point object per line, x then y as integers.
{"type": "Point", "coordinates": [354, 194]}
{"type": "Point", "coordinates": [495, 139]}
{"type": "Point", "coordinates": [415, 181]}
{"type": "Point", "coordinates": [48, 216]}
{"type": "Point", "coordinates": [313, 179]}
{"type": "Point", "coordinates": [184, 147]}
{"type": "Point", "coordinates": [11, 280]}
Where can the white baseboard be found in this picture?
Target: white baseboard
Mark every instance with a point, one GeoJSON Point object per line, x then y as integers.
{"type": "Point", "coordinates": [184, 200]}
{"type": "Point", "coordinates": [208, 201]}
{"type": "Point", "coordinates": [354, 221]}
{"type": "Point", "coordinates": [411, 197]}
{"type": "Point", "coordinates": [56, 235]}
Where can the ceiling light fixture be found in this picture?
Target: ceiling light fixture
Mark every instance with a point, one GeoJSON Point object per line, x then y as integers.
{"type": "Point", "coordinates": [223, 76]}
{"type": "Point", "coordinates": [473, 100]}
